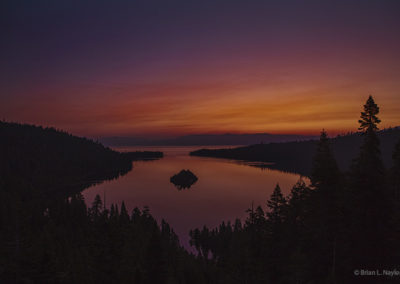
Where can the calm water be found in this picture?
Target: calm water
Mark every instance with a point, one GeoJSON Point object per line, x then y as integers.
{"type": "Point", "coordinates": [224, 191]}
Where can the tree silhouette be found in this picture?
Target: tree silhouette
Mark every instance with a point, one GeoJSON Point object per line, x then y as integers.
{"type": "Point", "coordinates": [368, 116]}
{"type": "Point", "coordinates": [325, 214]}
{"type": "Point", "coordinates": [325, 170]}
{"type": "Point", "coordinates": [277, 206]}
{"type": "Point", "coordinates": [369, 204]}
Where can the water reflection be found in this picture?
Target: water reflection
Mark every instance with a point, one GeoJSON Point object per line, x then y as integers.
{"type": "Point", "coordinates": [224, 190]}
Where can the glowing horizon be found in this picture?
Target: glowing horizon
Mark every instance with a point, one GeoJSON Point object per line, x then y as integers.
{"type": "Point", "coordinates": [175, 69]}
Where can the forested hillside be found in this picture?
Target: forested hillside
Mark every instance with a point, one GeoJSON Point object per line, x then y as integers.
{"type": "Point", "coordinates": [297, 156]}
{"type": "Point", "coordinates": [48, 161]}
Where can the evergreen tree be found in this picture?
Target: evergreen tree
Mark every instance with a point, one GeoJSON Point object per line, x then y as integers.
{"type": "Point", "coordinates": [325, 217]}
{"type": "Point", "coordinates": [276, 206]}
{"type": "Point", "coordinates": [368, 168]}
{"type": "Point", "coordinates": [298, 200]}
{"type": "Point", "coordinates": [97, 206]}
{"type": "Point", "coordinates": [368, 118]}
{"type": "Point", "coordinates": [291, 246]}
{"type": "Point", "coordinates": [325, 170]}
{"type": "Point", "coordinates": [124, 216]}
{"type": "Point", "coordinates": [369, 202]}
{"type": "Point", "coordinates": [276, 214]}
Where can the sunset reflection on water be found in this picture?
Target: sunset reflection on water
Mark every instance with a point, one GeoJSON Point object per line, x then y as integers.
{"type": "Point", "coordinates": [223, 192]}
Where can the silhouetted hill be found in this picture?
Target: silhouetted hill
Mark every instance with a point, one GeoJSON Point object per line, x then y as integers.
{"type": "Point", "coordinates": [46, 160]}
{"type": "Point", "coordinates": [206, 139]}
{"type": "Point", "coordinates": [297, 156]}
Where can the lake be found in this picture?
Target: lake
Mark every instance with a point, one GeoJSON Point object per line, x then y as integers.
{"type": "Point", "coordinates": [223, 192]}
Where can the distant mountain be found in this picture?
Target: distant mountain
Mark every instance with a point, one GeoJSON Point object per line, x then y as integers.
{"type": "Point", "coordinates": [206, 139]}
{"type": "Point", "coordinates": [297, 156]}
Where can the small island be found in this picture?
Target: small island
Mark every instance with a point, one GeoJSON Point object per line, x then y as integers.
{"type": "Point", "coordinates": [184, 179]}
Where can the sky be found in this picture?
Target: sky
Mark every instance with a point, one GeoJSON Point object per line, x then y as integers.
{"type": "Point", "coordinates": [168, 68]}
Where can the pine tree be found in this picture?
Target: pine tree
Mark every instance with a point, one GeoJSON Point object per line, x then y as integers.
{"type": "Point", "coordinates": [369, 120]}
{"type": "Point", "coordinates": [369, 202]}
{"type": "Point", "coordinates": [97, 207]}
{"type": "Point", "coordinates": [325, 216]}
{"type": "Point", "coordinates": [325, 170]}
{"type": "Point", "coordinates": [276, 254]}
{"type": "Point", "coordinates": [276, 206]}
{"type": "Point", "coordinates": [287, 237]}
{"type": "Point", "coordinates": [124, 216]}
{"type": "Point", "coordinates": [298, 198]}
{"type": "Point", "coordinates": [368, 166]}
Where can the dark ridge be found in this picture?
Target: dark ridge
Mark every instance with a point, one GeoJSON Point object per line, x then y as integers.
{"type": "Point", "coordinates": [297, 156]}
{"type": "Point", "coordinates": [47, 161]}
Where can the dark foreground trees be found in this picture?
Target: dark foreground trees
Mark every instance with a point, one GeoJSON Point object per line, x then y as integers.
{"type": "Point", "coordinates": [322, 232]}
{"type": "Point", "coordinates": [70, 243]}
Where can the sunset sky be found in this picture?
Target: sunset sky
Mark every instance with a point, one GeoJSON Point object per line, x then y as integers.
{"type": "Point", "coordinates": [165, 68]}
